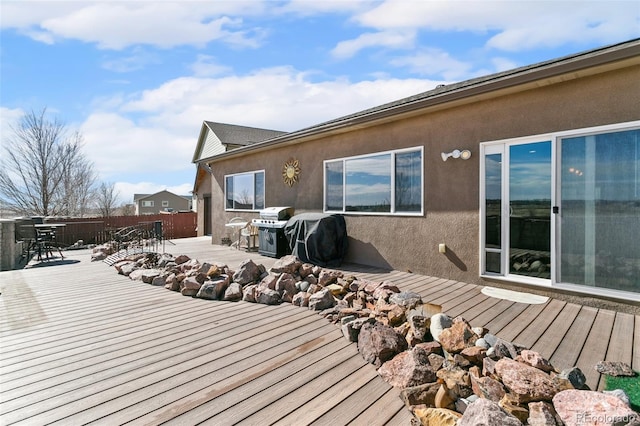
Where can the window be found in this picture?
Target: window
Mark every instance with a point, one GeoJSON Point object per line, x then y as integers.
{"type": "Point", "coordinates": [244, 191]}
{"type": "Point", "coordinates": [148, 203]}
{"type": "Point", "coordinates": [165, 204]}
{"type": "Point", "coordinates": [382, 183]}
{"type": "Point", "coordinates": [562, 209]}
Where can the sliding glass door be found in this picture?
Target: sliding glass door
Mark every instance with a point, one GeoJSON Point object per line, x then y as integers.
{"type": "Point", "coordinates": [600, 210]}
{"type": "Point", "coordinates": [517, 209]}
{"type": "Point", "coordinates": [565, 210]}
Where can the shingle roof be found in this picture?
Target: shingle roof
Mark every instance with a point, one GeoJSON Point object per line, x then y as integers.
{"type": "Point", "coordinates": [241, 135]}
{"type": "Point", "coordinates": [215, 138]}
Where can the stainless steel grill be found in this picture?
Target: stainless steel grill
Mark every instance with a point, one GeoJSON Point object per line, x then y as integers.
{"type": "Point", "coordinates": [273, 217]}
{"type": "Point", "coordinates": [272, 241]}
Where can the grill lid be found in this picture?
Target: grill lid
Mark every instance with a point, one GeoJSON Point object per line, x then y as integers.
{"type": "Point", "coordinates": [276, 213]}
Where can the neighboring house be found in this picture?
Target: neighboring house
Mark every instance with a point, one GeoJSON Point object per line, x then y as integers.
{"type": "Point", "coordinates": [544, 194]}
{"type": "Point", "coordinates": [216, 138]}
{"type": "Point", "coordinates": [163, 201]}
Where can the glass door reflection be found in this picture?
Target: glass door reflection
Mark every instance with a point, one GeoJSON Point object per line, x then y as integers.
{"type": "Point", "coordinates": [530, 209]}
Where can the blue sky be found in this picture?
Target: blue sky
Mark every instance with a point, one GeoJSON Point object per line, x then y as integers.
{"type": "Point", "coordinates": [138, 78]}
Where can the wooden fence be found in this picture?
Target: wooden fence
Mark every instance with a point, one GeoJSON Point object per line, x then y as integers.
{"type": "Point", "coordinates": [98, 230]}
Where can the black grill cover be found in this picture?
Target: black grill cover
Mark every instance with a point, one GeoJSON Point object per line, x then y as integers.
{"type": "Point", "coordinates": [317, 238]}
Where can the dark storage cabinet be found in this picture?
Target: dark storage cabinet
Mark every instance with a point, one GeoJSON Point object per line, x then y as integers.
{"type": "Point", "coordinates": [272, 242]}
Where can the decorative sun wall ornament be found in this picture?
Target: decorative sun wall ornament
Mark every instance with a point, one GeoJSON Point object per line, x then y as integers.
{"type": "Point", "coordinates": [291, 171]}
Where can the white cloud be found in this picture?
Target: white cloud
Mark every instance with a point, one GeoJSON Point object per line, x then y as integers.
{"type": "Point", "coordinates": [118, 145]}
{"type": "Point", "coordinates": [159, 23]}
{"type": "Point", "coordinates": [137, 60]}
{"type": "Point", "coordinates": [435, 62]}
{"type": "Point", "coordinates": [311, 7]}
{"type": "Point", "coordinates": [503, 64]}
{"type": "Point", "coordinates": [206, 66]}
{"type": "Point", "coordinates": [279, 98]}
{"type": "Point", "coordinates": [8, 117]}
{"type": "Point", "coordinates": [517, 24]}
{"type": "Point", "coordinates": [388, 39]}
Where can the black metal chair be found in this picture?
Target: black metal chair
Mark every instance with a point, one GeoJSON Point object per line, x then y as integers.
{"type": "Point", "coordinates": [46, 242]}
{"type": "Point", "coordinates": [26, 233]}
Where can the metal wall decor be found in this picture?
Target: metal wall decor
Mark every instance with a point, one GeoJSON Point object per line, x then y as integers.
{"type": "Point", "coordinates": [291, 171]}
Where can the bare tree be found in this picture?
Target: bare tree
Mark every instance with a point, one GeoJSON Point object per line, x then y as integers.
{"type": "Point", "coordinates": [106, 199]}
{"type": "Point", "coordinates": [44, 172]}
{"type": "Point", "coordinates": [127, 209]}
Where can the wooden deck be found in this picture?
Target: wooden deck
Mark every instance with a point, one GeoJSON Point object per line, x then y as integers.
{"type": "Point", "coordinates": [81, 344]}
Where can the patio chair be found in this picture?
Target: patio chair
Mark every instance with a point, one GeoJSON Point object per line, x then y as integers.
{"type": "Point", "coordinates": [45, 242]}
{"type": "Point", "coordinates": [27, 234]}
{"type": "Point", "coordinates": [250, 234]}
{"type": "Point", "coordinates": [236, 224]}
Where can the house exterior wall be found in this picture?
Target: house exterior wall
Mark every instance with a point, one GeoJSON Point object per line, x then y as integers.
{"type": "Point", "coordinates": [451, 189]}
{"type": "Point", "coordinates": [175, 202]}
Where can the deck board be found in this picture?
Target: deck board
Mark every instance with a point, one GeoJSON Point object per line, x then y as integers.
{"type": "Point", "coordinates": [353, 405]}
{"type": "Point", "coordinates": [621, 333]}
{"type": "Point", "coordinates": [566, 355]}
{"type": "Point", "coordinates": [594, 348]}
{"type": "Point", "coordinates": [82, 344]}
{"type": "Point", "coordinates": [546, 343]}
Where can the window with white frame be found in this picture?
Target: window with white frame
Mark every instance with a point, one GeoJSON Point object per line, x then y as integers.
{"type": "Point", "coordinates": [387, 182]}
{"type": "Point", "coordinates": [244, 191]}
{"type": "Point", "coordinates": [147, 203]}
{"type": "Point", "coordinates": [165, 204]}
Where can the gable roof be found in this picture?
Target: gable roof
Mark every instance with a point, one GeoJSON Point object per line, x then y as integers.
{"type": "Point", "coordinates": [138, 197]}
{"type": "Point", "coordinates": [216, 138]}
{"type": "Point", "coordinates": [445, 96]}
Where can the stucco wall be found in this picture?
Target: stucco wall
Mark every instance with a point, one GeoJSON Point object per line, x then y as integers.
{"type": "Point", "coordinates": [451, 188]}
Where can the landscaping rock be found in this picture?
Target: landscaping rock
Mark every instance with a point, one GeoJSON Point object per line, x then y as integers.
{"type": "Point", "coordinates": [408, 368]}
{"type": "Point", "coordinates": [266, 296]}
{"type": "Point", "coordinates": [534, 359]}
{"type": "Point", "coordinates": [487, 413]}
{"type": "Point", "coordinates": [249, 293]}
{"type": "Point", "coordinates": [436, 416]}
{"type": "Point", "coordinates": [301, 299]}
{"type": "Point", "coordinates": [327, 277]}
{"type": "Point", "coordinates": [286, 286]}
{"type": "Point", "coordinates": [613, 368]}
{"type": "Point", "coordinates": [424, 394]}
{"type": "Point", "coordinates": [160, 281]}
{"type": "Point", "coordinates": [321, 300]}
{"type": "Point", "coordinates": [458, 336]}
{"type": "Point", "coordinates": [581, 407]}
{"type": "Point", "coordinates": [575, 376]}
{"type": "Point", "coordinates": [233, 293]}
{"type": "Point", "coordinates": [378, 343]}
{"type": "Point", "coordinates": [488, 388]}
{"type": "Point", "coordinates": [351, 329]}
{"type": "Point", "coordinates": [248, 272]}
{"type": "Point", "coordinates": [190, 287]}
{"type": "Point", "coordinates": [438, 323]}
{"type": "Point", "coordinates": [286, 264]}
{"type": "Point", "coordinates": [526, 383]}
{"type": "Point", "coordinates": [542, 414]}
{"type": "Point", "coordinates": [406, 299]}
